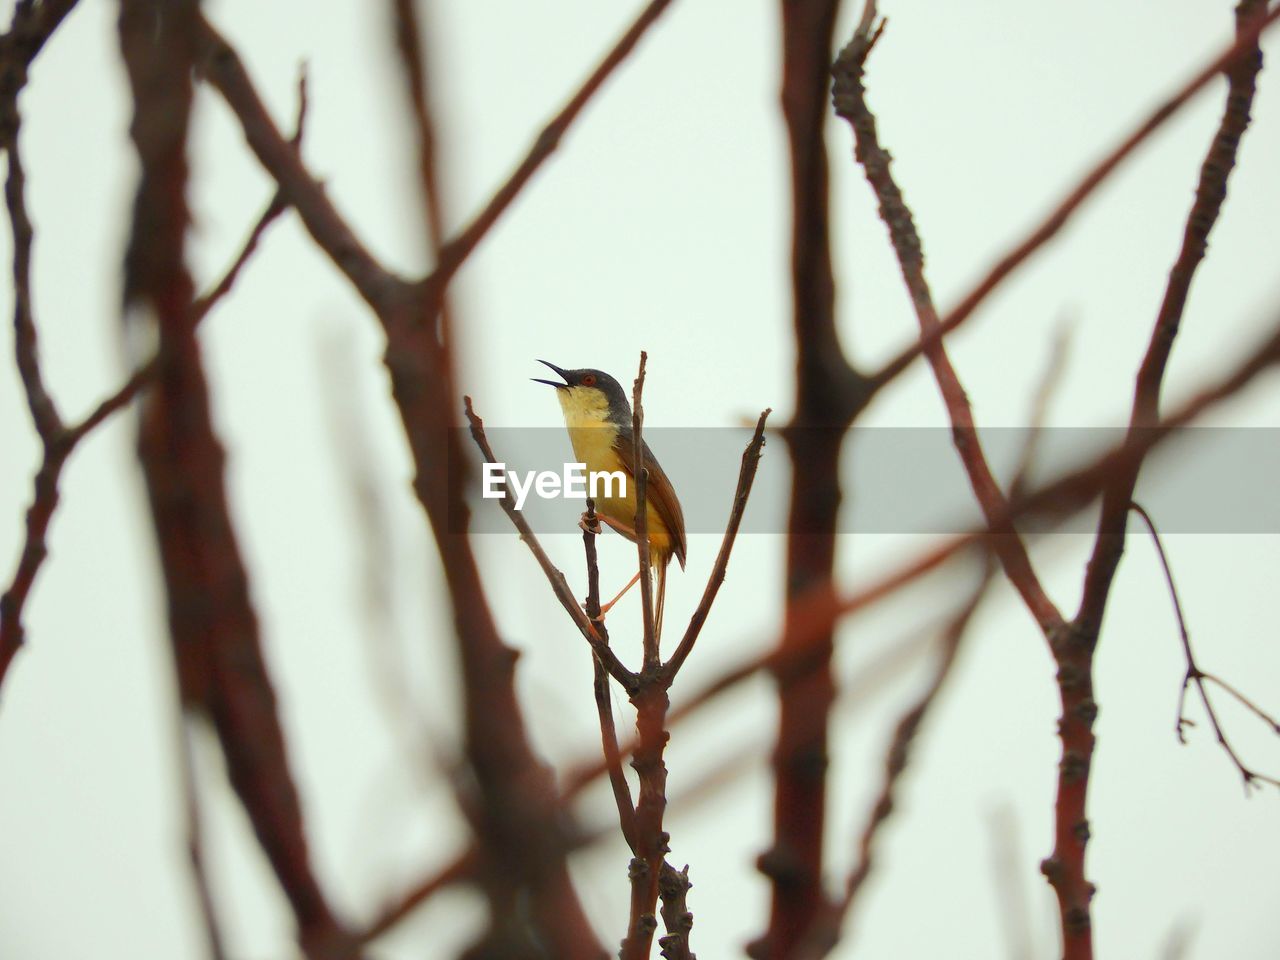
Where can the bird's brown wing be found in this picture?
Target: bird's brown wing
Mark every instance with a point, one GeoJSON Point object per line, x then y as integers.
{"type": "Point", "coordinates": [659, 492]}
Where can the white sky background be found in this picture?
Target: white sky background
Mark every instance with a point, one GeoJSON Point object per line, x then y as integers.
{"type": "Point", "coordinates": [661, 224]}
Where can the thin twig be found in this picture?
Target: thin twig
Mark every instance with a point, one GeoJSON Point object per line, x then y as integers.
{"type": "Point", "coordinates": [1194, 675]}
{"type": "Point", "coordinates": [600, 686]}
{"type": "Point", "coordinates": [454, 253]}
{"type": "Point", "coordinates": [461, 868]}
{"type": "Point", "coordinates": [44, 413]}
{"type": "Point", "coordinates": [28, 33]}
{"type": "Point", "coordinates": [559, 585]}
{"type": "Point", "coordinates": [652, 656]}
{"type": "Point", "coordinates": [746, 477]}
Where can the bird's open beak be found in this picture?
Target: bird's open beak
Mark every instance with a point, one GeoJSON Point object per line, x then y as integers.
{"type": "Point", "coordinates": [552, 383]}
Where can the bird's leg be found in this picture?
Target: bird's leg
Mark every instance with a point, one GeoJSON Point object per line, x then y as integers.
{"type": "Point", "coordinates": [605, 608]}
{"type": "Point", "coordinates": [590, 524]}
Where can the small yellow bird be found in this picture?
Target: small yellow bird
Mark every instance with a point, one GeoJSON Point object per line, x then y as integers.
{"type": "Point", "coordinates": [598, 417]}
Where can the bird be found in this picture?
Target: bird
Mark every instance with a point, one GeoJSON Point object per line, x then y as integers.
{"type": "Point", "coordinates": [598, 418]}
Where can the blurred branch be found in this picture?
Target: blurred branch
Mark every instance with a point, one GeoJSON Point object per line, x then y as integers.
{"type": "Point", "coordinates": [524, 842]}
{"type": "Point", "coordinates": [212, 623]}
{"type": "Point", "coordinates": [829, 393]}
{"type": "Point", "coordinates": [30, 29]}
{"type": "Point", "coordinates": [383, 291]}
{"type": "Point", "coordinates": [825, 935]}
{"type": "Point", "coordinates": [1194, 675]}
{"type": "Point", "coordinates": [195, 841]}
{"type": "Point", "coordinates": [206, 302]}
{"type": "Point", "coordinates": [463, 867]}
{"type": "Point", "coordinates": [65, 440]}
{"type": "Point", "coordinates": [416, 78]}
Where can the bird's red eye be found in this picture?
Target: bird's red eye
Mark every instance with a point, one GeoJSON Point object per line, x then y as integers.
{"type": "Point", "coordinates": [589, 380]}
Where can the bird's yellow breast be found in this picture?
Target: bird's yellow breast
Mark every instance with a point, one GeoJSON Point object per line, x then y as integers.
{"type": "Point", "coordinates": [594, 439]}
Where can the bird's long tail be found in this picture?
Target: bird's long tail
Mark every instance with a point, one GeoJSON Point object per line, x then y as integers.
{"type": "Point", "coordinates": [660, 602]}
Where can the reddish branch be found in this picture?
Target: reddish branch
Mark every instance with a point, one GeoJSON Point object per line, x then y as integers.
{"type": "Point", "coordinates": [829, 393]}
{"type": "Point", "coordinates": [652, 655]}
{"type": "Point", "coordinates": [651, 702]}
{"type": "Point", "coordinates": [825, 935]}
{"type": "Point", "coordinates": [600, 686]}
{"type": "Point", "coordinates": [517, 814]}
{"type": "Point", "coordinates": [455, 252]}
{"type": "Point", "coordinates": [816, 613]}
{"type": "Point", "coordinates": [31, 27]}
{"type": "Point", "coordinates": [1072, 644]}
{"type": "Point", "coordinates": [652, 878]}
{"type": "Point", "coordinates": [1074, 648]}
{"type": "Point", "coordinates": [1211, 191]}
{"type": "Point", "coordinates": [213, 626]}
{"type": "Point", "coordinates": [593, 633]}
{"type": "Point", "coordinates": [64, 441]}
{"type": "Point", "coordinates": [849, 96]}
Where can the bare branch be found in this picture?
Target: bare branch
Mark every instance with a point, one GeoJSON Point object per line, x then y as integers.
{"type": "Point", "coordinates": [851, 104]}
{"type": "Point", "coordinates": [67, 438]}
{"type": "Point", "coordinates": [746, 476]}
{"type": "Point", "coordinates": [455, 252]}
{"type": "Point", "coordinates": [461, 868]}
{"type": "Point", "coordinates": [559, 585]}
{"type": "Point", "coordinates": [213, 625]}
{"type": "Point", "coordinates": [600, 685]}
{"type": "Point", "coordinates": [829, 393]}
{"type": "Point", "coordinates": [1211, 191]}
{"type": "Point", "coordinates": [652, 655]}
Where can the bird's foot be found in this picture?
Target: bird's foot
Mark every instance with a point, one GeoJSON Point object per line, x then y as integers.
{"type": "Point", "coordinates": [590, 523]}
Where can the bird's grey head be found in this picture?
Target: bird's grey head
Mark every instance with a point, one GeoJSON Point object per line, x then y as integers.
{"type": "Point", "coordinates": [590, 378]}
